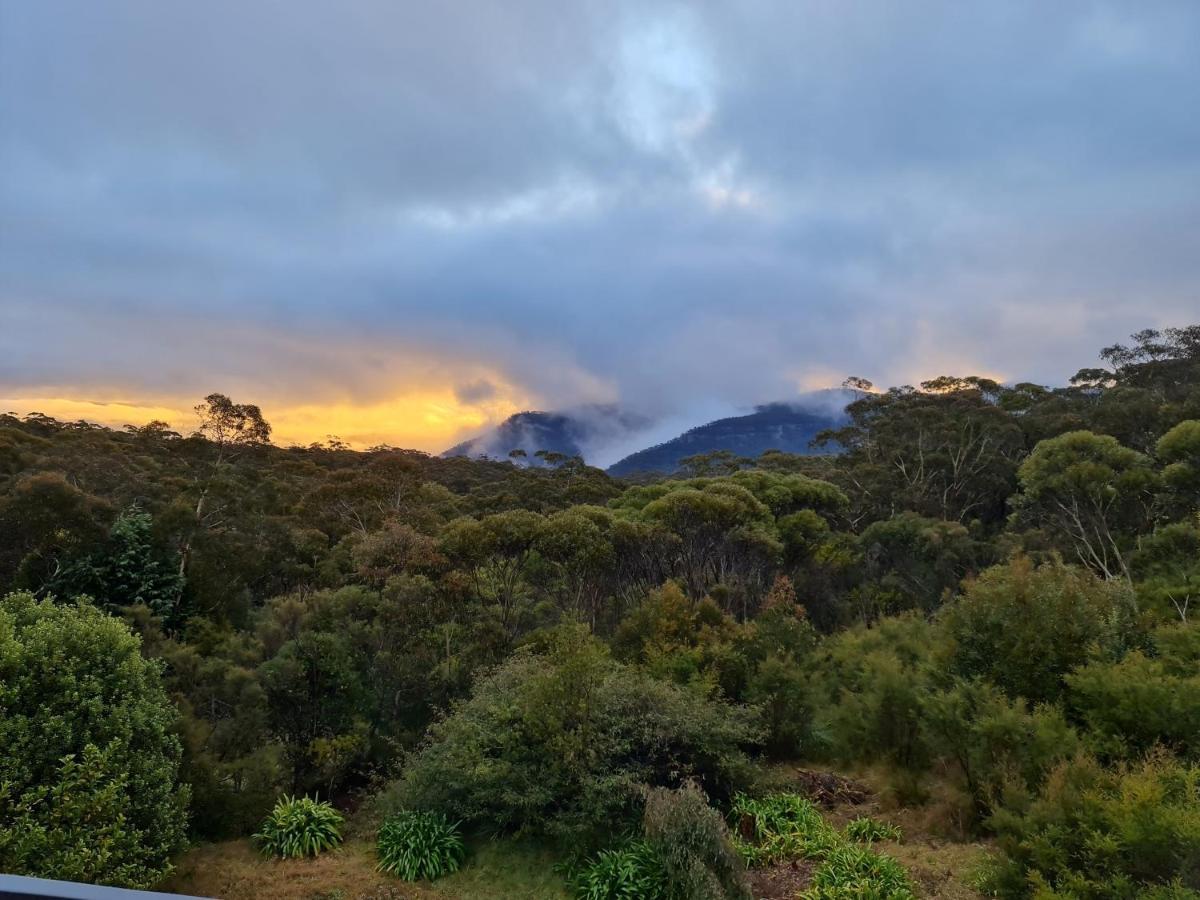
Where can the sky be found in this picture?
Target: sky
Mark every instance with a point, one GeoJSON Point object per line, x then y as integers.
{"type": "Point", "coordinates": [400, 222]}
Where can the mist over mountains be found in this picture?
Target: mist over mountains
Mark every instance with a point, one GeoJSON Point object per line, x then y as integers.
{"type": "Point", "coordinates": [626, 442]}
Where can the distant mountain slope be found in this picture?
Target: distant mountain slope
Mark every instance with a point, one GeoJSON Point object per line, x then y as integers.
{"type": "Point", "coordinates": [571, 433]}
{"type": "Point", "coordinates": [779, 426]}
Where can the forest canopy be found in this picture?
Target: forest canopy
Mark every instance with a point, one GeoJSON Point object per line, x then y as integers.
{"type": "Point", "coordinates": [989, 589]}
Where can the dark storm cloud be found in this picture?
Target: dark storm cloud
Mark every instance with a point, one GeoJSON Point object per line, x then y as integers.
{"type": "Point", "coordinates": [678, 207]}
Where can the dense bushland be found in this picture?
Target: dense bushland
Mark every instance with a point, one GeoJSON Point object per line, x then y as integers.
{"type": "Point", "coordinates": [989, 593]}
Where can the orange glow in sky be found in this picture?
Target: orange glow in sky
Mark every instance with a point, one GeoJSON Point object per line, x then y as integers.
{"type": "Point", "coordinates": [423, 419]}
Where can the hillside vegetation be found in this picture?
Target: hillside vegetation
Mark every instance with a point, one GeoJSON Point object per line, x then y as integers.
{"type": "Point", "coordinates": [551, 682]}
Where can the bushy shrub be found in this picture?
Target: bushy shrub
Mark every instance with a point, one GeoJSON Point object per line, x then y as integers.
{"type": "Point", "coordinates": [1001, 747]}
{"type": "Point", "coordinates": [561, 739]}
{"type": "Point", "coordinates": [780, 827]}
{"type": "Point", "coordinates": [856, 873]}
{"type": "Point", "coordinates": [694, 845]}
{"type": "Point", "coordinates": [1104, 833]}
{"type": "Point", "coordinates": [866, 830]}
{"type": "Point", "coordinates": [416, 844]}
{"type": "Point", "coordinates": [633, 871]}
{"type": "Point", "coordinates": [298, 827]}
{"type": "Point", "coordinates": [89, 759]}
{"type": "Point", "coordinates": [867, 689]}
{"type": "Point", "coordinates": [1142, 701]}
{"type": "Point", "coordinates": [1023, 628]}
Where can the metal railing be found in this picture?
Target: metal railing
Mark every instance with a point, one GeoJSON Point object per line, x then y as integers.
{"type": "Point", "coordinates": [19, 887]}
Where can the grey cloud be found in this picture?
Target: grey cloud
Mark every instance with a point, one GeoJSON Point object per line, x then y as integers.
{"type": "Point", "coordinates": [686, 209]}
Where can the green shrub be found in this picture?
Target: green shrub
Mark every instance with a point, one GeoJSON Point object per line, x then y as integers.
{"type": "Point", "coordinates": [867, 830]}
{"type": "Point", "coordinates": [1024, 628]}
{"type": "Point", "coordinates": [1142, 701]}
{"type": "Point", "coordinates": [780, 827]}
{"type": "Point", "coordinates": [300, 826]}
{"type": "Point", "coordinates": [696, 849]}
{"type": "Point", "coordinates": [633, 871]}
{"type": "Point", "coordinates": [89, 758]}
{"type": "Point", "coordinates": [1001, 747]}
{"type": "Point", "coordinates": [415, 845]}
{"type": "Point", "coordinates": [561, 742]}
{"type": "Point", "coordinates": [868, 684]}
{"type": "Point", "coordinates": [1103, 833]}
{"type": "Point", "coordinates": [856, 873]}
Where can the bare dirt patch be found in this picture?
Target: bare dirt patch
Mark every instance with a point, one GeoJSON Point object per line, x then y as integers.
{"type": "Point", "coordinates": [780, 882]}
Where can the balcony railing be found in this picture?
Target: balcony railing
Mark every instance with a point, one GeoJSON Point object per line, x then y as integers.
{"type": "Point", "coordinates": [18, 887]}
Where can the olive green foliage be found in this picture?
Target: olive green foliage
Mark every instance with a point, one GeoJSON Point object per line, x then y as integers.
{"type": "Point", "coordinates": [1166, 565]}
{"type": "Point", "coordinates": [1097, 833]}
{"type": "Point", "coordinates": [90, 760]}
{"type": "Point", "coordinates": [414, 845]}
{"type": "Point", "coordinates": [1024, 627]}
{"type": "Point", "coordinates": [299, 827]}
{"type": "Point", "coordinates": [1146, 699]}
{"type": "Point", "coordinates": [1001, 747]}
{"type": "Point", "coordinates": [1179, 450]}
{"type": "Point", "coordinates": [632, 871]}
{"type": "Point", "coordinates": [694, 845]}
{"type": "Point", "coordinates": [561, 739]}
{"type": "Point", "coordinates": [867, 830]}
{"type": "Point", "coordinates": [1091, 493]}
{"type": "Point", "coordinates": [867, 691]}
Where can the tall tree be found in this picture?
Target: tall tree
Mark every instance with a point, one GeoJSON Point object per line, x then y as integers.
{"type": "Point", "coordinates": [1093, 494]}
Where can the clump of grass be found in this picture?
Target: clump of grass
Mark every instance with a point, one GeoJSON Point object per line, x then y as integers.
{"type": "Point", "coordinates": [787, 826]}
{"type": "Point", "coordinates": [783, 826]}
{"type": "Point", "coordinates": [414, 845]}
{"type": "Point", "coordinates": [856, 873]}
{"type": "Point", "coordinates": [633, 871]}
{"type": "Point", "coordinates": [299, 827]}
{"type": "Point", "coordinates": [866, 830]}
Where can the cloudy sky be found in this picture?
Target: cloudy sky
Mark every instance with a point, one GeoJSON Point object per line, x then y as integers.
{"type": "Point", "coordinates": [399, 221]}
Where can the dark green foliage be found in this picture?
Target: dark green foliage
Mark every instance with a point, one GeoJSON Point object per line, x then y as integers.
{"type": "Point", "coordinates": [945, 450]}
{"type": "Point", "coordinates": [632, 871]}
{"type": "Point", "coordinates": [299, 827]}
{"type": "Point", "coordinates": [695, 847]}
{"type": "Point", "coordinates": [88, 771]}
{"type": "Point", "coordinates": [314, 690]}
{"type": "Point", "coordinates": [561, 740]}
{"type": "Point", "coordinates": [868, 691]}
{"type": "Point", "coordinates": [1097, 833]}
{"type": "Point", "coordinates": [913, 562]}
{"type": "Point", "coordinates": [132, 567]}
{"type": "Point", "coordinates": [414, 845]}
{"type": "Point", "coordinates": [1001, 747]}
